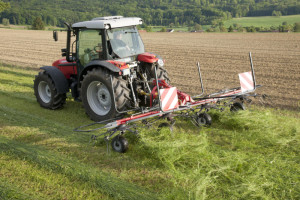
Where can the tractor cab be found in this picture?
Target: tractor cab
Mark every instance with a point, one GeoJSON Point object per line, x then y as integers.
{"type": "Point", "coordinates": [105, 38]}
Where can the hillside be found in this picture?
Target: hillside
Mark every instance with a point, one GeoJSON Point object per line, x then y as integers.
{"type": "Point", "coordinates": [266, 21]}
{"type": "Point", "coordinates": [154, 12]}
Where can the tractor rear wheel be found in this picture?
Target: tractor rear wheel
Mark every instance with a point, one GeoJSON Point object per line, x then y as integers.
{"type": "Point", "coordinates": [46, 92]}
{"type": "Point", "coordinates": [161, 71]}
{"type": "Point", "coordinates": [97, 94]}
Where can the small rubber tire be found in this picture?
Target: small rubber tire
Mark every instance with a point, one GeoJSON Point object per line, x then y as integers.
{"type": "Point", "coordinates": [204, 119]}
{"type": "Point", "coordinates": [46, 93]}
{"type": "Point", "coordinates": [164, 124]}
{"type": "Point", "coordinates": [237, 106]}
{"type": "Point", "coordinates": [119, 144]}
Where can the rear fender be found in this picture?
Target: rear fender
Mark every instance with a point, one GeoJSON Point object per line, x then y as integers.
{"type": "Point", "coordinates": [98, 64]}
{"type": "Point", "coordinates": [148, 57]}
{"type": "Point", "coordinates": [60, 82]}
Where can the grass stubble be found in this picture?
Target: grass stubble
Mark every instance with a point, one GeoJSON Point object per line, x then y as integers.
{"type": "Point", "coordinates": [246, 155]}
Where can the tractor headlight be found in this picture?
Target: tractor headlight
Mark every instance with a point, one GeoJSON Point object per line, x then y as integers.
{"type": "Point", "coordinates": [160, 62]}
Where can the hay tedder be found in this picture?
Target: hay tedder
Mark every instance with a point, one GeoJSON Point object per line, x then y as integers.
{"type": "Point", "coordinates": [119, 84]}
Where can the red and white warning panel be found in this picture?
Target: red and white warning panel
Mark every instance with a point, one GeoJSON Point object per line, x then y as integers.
{"type": "Point", "coordinates": [169, 98]}
{"type": "Point", "coordinates": [246, 81]}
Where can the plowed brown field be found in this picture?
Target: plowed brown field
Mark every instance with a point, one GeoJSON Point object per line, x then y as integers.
{"type": "Point", "coordinates": [222, 56]}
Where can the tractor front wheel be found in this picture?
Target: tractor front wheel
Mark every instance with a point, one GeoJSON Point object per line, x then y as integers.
{"type": "Point", "coordinates": [46, 92]}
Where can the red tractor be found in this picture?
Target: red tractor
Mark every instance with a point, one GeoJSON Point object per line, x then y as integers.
{"type": "Point", "coordinates": [106, 67]}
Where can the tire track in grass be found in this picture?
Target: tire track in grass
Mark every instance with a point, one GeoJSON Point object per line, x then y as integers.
{"type": "Point", "coordinates": [103, 182]}
{"type": "Point", "coordinates": [10, 192]}
{"type": "Point", "coordinates": [42, 182]}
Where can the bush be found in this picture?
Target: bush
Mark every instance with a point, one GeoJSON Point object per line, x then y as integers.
{"type": "Point", "coordinates": [251, 29]}
{"type": "Point", "coordinates": [149, 29]}
{"type": "Point", "coordinates": [197, 27]}
{"type": "Point", "coordinates": [241, 29]}
{"type": "Point", "coordinates": [163, 29]}
{"type": "Point", "coordinates": [5, 22]}
{"type": "Point", "coordinates": [210, 29]}
{"type": "Point", "coordinates": [297, 27]}
{"type": "Point", "coordinates": [223, 29]}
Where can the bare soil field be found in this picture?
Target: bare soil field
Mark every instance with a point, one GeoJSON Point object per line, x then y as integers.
{"type": "Point", "coordinates": [276, 58]}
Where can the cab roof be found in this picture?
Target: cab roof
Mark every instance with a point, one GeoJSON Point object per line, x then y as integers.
{"type": "Point", "coordinates": [109, 22]}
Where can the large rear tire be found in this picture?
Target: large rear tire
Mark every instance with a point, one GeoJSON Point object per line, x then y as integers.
{"type": "Point", "coordinates": [161, 71]}
{"type": "Point", "coordinates": [97, 94]}
{"type": "Point", "coordinates": [46, 92]}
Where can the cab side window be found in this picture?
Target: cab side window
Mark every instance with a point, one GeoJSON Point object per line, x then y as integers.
{"type": "Point", "coordinates": [89, 46]}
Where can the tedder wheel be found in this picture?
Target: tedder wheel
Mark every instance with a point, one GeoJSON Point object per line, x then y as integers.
{"type": "Point", "coordinates": [237, 106]}
{"type": "Point", "coordinates": [46, 92]}
{"type": "Point", "coordinates": [97, 94]}
{"type": "Point", "coordinates": [119, 144]}
{"type": "Point", "coordinates": [164, 125]}
{"type": "Point", "coordinates": [204, 119]}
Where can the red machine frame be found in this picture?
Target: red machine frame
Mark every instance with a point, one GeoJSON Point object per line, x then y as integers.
{"type": "Point", "coordinates": [186, 103]}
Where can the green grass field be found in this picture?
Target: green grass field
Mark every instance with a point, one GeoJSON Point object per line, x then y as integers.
{"type": "Point", "coordinates": [246, 155]}
{"type": "Point", "coordinates": [263, 21]}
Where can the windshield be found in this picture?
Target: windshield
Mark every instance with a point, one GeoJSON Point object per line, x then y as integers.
{"type": "Point", "coordinates": [124, 42]}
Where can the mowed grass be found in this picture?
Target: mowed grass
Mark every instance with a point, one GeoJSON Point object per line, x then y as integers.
{"type": "Point", "coordinates": [267, 21]}
{"type": "Point", "coordinates": [246, 155]}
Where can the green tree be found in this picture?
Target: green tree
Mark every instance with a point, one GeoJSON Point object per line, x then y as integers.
{"type": "Point", "coordinates": [5, 22]}
{"type": "Point", "coordinates": [276, 13]}
{"type": "Point", "coordinates": [230, 29]}
{"type": "Point", "coordinates": [4, 6]}
{"type": "Point", "coordinates": [38, 24]}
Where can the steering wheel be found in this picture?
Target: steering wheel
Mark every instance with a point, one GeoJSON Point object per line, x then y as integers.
{"type": "Point", "coordinates": [98, 48]}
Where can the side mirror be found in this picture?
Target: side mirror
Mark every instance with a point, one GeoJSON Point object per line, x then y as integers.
{"type": "Point", "coordinates": [55, 36]}
{"type": "Point", "coordinates": [63, 52]}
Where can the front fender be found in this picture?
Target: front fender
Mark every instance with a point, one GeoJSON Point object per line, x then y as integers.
{"type": "Point", "coordinates": [60, 81]}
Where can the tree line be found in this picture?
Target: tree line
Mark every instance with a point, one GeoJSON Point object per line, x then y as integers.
{"type": "Point", "coordinates": [153, 12]}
